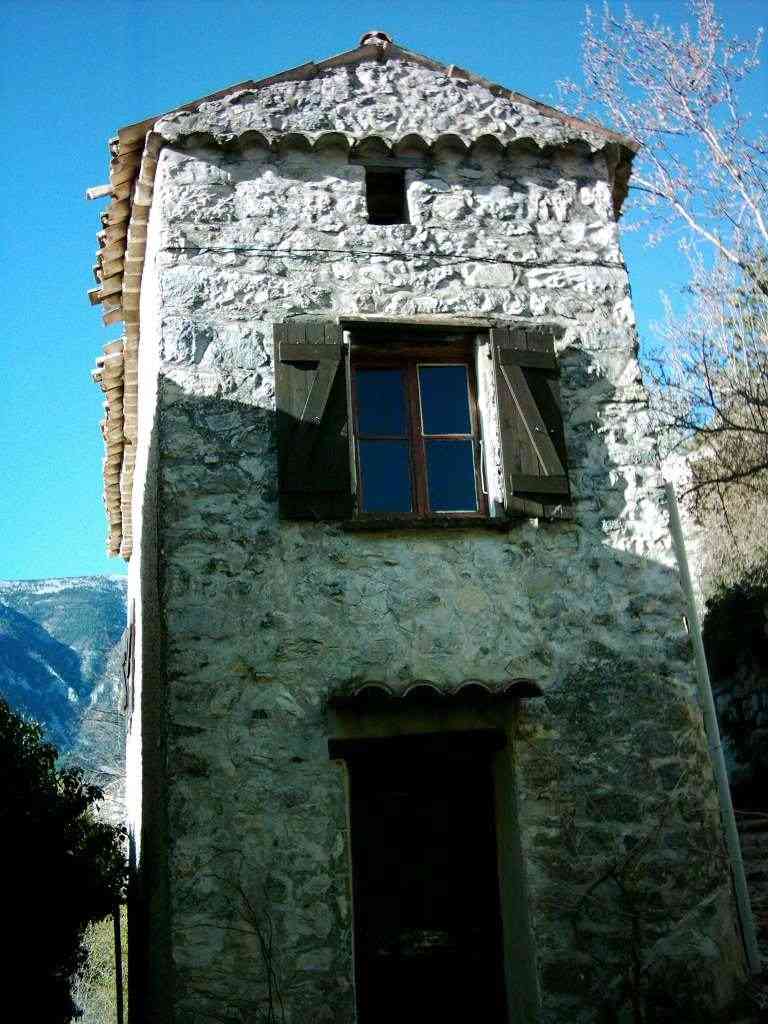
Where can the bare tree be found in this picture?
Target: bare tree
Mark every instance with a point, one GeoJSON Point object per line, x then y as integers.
{"type": "Point", "coordinates": [703, 163]}
{"type": "Point", "coordinates": [710, 396]}
{"type": "Point", "coordinates": [702, 177]}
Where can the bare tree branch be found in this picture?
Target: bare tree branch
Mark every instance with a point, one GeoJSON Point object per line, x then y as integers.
{"type": "Point", "coordinates": [702, 176]}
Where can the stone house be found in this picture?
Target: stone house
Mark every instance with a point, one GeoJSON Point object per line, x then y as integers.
{"type": "Point", "coordinates": [412, 728]}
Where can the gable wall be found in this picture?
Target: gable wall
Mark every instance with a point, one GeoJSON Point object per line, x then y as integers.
{"type": "Point", "coordinates": [263, 618]}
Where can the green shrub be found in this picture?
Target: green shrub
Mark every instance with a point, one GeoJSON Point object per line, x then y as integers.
{"type": "Point", "coordinates": [734, 629]}
{"type": "Point", "coordinates": [94, 987]}
{"type": "Point", "coordinates": [736, 641]}
{"type": "Point", "coordinates": [63, 870]}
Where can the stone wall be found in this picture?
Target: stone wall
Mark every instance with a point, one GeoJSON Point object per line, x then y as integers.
{"type": "Point", "coordinates": [262, 619]}
{"type": "Point", "coordinates": [150, 986]}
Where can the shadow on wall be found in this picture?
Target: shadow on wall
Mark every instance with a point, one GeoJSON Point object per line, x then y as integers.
{"type": "Point", "coordinates": [629, 888]}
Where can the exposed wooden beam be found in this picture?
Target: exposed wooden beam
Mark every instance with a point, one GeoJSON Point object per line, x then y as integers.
{"type": "Point", "coordinates": [98, 191]}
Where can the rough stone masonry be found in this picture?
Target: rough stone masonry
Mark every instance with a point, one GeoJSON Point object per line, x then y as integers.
{"type": "Point", "coordinates": [615, 885]}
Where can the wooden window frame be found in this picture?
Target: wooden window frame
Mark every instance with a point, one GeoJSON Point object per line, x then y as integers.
{"type": "Point", "coordinates": [408, 357]}
{"type": "Point", "coordinates": [520, 455]}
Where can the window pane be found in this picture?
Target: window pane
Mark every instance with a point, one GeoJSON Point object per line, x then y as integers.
{"type": "Point", "coordinates": [386, 476]}
{"type": "Point", "coordinates": [444, 399]}
{"type": "Point", "coordinates": [380, 402]}
{"type": "Point", "coordinates": [451, 476]}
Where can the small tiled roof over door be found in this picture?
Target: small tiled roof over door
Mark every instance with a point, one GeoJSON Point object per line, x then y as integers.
{"type": "Point", "coordinates": [358, 693]}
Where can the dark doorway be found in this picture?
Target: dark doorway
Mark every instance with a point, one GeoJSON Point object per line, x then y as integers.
{"type": "Point", "coordinates": [428, 943]}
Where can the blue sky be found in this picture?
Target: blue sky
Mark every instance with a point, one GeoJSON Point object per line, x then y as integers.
{"type": "Point", "coordinates": [71, 73]}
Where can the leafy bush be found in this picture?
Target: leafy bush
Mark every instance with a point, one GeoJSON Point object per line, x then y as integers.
{"type": "Point", "coordinates": [734, 630]}
{"type": "Point", "coordinates": [94, 986]}
{"type": "Point", "coordinates": [735, 634]}
{"type": "Point", "coordinates": [63, 870]}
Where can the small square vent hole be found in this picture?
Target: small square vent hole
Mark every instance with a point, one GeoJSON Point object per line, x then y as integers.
{"type": "Point", "coordinates": [385, 195]}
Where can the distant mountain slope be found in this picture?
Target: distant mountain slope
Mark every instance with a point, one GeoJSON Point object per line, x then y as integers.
{"type": "Point", "coordinates": [57, 638]}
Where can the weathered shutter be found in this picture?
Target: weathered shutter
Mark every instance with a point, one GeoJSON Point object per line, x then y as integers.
{"type": "Point", "coordinates": [129, 661]}
{"type": "Point", "coordinates": [347, 341]}
{"type": "Point", "coordinates": [312, 428]}
{"type": "Point", "coordinates": [530, 419]}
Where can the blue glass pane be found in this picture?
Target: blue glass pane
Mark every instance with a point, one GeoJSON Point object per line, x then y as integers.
{"type": "Point", "coordinates": [386, 476]}
{"type": "Point", "coordinates": [451, 476]}
{"type": "Point", "coordinates": [380, 402]}
{"type": "Point", "coordinates": [444, 400]}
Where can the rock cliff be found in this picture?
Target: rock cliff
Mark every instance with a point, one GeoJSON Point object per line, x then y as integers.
{"type": "Point", "coordinates": [60, 659]}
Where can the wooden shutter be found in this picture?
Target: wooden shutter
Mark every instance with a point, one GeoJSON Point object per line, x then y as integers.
{"type": "Point", "coordinates": [312, 427]}
{"type": "Point", "coordinates": [129, 662]}
{"type": "Point", "coordinates": [530, 420]}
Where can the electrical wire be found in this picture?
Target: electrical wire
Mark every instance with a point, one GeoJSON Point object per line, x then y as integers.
{"type": "Point", "coordinates": [449, 257]}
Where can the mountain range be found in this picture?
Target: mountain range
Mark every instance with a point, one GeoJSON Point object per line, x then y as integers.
{"type": "Point", "coordinates": [61, 662]}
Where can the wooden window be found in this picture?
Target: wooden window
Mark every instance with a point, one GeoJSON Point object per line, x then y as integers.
{"type": "Point", "coordinates": [389, 426]}
{"type": "Point", "coordinates": [385, 196]}
{"type": "Point", "coordinates": [416, 430]}
{"type": "Point", "coordinates": [427, 915]}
